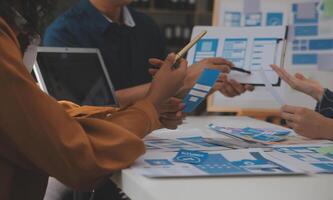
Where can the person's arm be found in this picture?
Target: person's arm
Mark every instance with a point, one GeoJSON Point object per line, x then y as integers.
{"type": "Point", "coordinates": [130, 95]}
{"type": "Point", "coordinates": [325, 105]}
{"type": "Point", "coordinates": [37, 133]}
{"type": "Point", "coordinates": [300, 83]}
{"type": "Point", "coordinates": [307, 122]}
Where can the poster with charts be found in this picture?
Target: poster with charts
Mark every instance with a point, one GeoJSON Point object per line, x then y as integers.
{"type": "Point", "coordinates": [222, 163]}
{"type": "Point", "coordinates": [310, 39]}
{"type": "Point", "coordinates": [249, 48]}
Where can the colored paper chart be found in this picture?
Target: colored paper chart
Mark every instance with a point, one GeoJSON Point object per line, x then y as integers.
{"type": "Point", "coordinates": [328, 8]}
{"type": "Point", "coordinates": [201, 89]}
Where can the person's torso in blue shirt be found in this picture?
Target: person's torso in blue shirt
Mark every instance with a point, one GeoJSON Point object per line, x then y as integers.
{"type": "Point", "coordinates": [125, 49]}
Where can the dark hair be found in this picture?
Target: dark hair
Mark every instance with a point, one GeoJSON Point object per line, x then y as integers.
{"type": "Point", "coordinates": [34, 12]}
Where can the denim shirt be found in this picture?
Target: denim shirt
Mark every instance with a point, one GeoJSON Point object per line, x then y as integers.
{"type": "Point", "coordinates": [325, 106]}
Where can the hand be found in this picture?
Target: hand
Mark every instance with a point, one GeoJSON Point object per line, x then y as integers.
{"type": "Point", "coordinates": [307, 122]}
{"type": "Point", "coordinates": [167, 81]}
{"type": "Point", "coordinates": [301, 83]}
{"type": "Point", "coordinates": [228, 88]}
{"type": "Point", "coordinates": [171, 113]}
{"type": "Point", "coordinates": [231, 88]}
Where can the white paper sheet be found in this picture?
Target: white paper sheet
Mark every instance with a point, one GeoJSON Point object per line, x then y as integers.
{"type": "Point", "coordinates": [270, 89]}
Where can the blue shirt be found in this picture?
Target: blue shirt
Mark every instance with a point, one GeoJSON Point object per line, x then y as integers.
{"type": "Point", "coordinates": [125, 49]}
{"type": "Point", "coordinates": [325, 106]}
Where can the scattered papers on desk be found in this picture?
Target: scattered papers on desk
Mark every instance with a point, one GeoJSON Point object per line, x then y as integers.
{"type": "Point", "coordinates": [223, 163]}
{"type": "Point", "coordinates": [264, 135]}
{"type": "Point", "coordinates": [307, 158]}
{"type": "Point", "coordinates": [192, 139]}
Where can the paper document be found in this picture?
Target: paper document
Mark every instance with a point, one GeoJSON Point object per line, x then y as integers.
{"type": "Point", "coordinates": [249, 48]}
{"type": "Point", "coordinates": [267, 136]}
{"type": "Point", "coordinates": [306, 158]}
{"type": "Point", "coordinates": [270, 89]}
{"type": "Point", "coordinates": [224, 163]}
{"type": "Point", "coordinates": [201, 89]}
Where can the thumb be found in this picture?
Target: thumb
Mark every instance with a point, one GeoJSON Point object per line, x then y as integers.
{"type": "Point", "coordinates": [170, 60]}
{"type": "Point", "coordinates": [300, 76]}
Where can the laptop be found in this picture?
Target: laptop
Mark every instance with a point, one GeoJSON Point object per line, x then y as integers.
{"type": "Point", "coordinates": [78, 75]}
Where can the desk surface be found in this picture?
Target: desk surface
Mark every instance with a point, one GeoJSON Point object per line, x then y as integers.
{"type": "Point", "coordinates": [313, 187]}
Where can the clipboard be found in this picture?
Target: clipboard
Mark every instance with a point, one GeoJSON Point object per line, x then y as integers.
{"type": "Point", "coordinates": [249, 48]}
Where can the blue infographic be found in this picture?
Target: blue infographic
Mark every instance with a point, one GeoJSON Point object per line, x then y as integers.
{"type": "Point", "coordinates": [205, 48]}
{"type": "Point", "coordinates": [159, 162]}
{"type": "Point", "coordinates": [191, 157]}
{"type": "Point", "coordinates": [218, 164]}
{"type": "Point", "coordinates": [274, 19]}
{"type": "Point", "coordinates": [196, 163]}
{"type": "Point", "coordinates": [201, 89]}
{"type": "Point", "coordinates": [232, 19]}
{"type": "Point", "coordinates": [310, 156]}
{"type": "Point", "coordinates": [253, 19]}
{"type": "Point", "coordinates": [235, 51]}
{"type": "Point", "coordinates": [312, 44]}
{"type": "Point", "coordinates": [266, 136]}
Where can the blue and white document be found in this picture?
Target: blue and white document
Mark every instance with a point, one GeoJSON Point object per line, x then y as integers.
{"type": "Point", "coordinates": [201, 89]}
{"type": "Point", "coordinates": [306, 157]}
{"type": "Point", "coordinates": [223, 163]}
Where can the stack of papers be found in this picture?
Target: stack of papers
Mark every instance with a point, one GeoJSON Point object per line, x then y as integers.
{"type": "Point", "coordinates": [192, 139]}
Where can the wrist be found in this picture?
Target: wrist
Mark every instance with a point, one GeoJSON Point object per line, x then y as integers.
{"type": "Point", "coordinates": [318, 93]}
{"type": "Point", "coordinates": [154, 101]}
{"type": "Point", "coordinates": [327, 129]}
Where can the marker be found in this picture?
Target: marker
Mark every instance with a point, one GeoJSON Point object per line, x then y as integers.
{"type": "Point", "coordinates": [182, 52]}
{"type": "Point", "coordinates": [240, 70]}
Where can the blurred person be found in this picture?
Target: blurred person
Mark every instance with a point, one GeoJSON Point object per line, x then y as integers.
{"type": "Point", "coordinates": [40, 137]}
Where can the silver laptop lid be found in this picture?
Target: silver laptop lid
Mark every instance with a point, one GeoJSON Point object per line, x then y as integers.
{"type": "Point", "coordinates": [78, 75]}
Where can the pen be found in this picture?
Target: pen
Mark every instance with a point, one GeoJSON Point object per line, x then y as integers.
{"type": "Point", "coordinates": [182, 52]}
{"type": "Point", "coordinates": [240, 70]}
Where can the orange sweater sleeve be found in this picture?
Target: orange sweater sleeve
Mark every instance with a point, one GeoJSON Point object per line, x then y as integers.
{"type": "Point", "coordinates": [79, 147]}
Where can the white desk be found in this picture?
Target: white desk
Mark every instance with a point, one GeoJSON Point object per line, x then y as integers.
{"type": "Point", "coordinates": [314, 187]}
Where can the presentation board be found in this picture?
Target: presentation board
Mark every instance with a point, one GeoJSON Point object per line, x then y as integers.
{"type": "Point", "coordinates": [309, 49]}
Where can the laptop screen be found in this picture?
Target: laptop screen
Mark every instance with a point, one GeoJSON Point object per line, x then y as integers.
{"type": "Point", "coordinates": [76, 77]}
